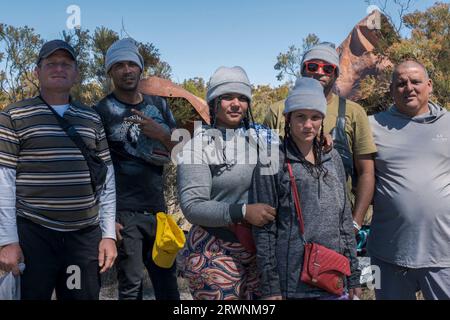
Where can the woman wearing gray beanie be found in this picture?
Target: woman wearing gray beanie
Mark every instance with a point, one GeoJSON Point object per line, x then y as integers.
{"type": "Point", "coordinates": [322, 215]}
{"type": "Point", "coordinates": [219, 257]}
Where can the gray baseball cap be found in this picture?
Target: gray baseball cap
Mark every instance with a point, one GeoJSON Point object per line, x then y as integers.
{"type": "Point", "coordinates": [51, 46]}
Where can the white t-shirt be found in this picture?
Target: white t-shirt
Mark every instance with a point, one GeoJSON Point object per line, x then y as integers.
{"type": "Point", "coordinates": [60, 109]}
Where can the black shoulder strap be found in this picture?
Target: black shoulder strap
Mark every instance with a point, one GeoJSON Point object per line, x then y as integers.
{"type": "Point", "coordinates": [340, 121]}
{"type": "Point", "coordinates": [71, 132]}
{"type": "Point", "coordinates": [340, 139]}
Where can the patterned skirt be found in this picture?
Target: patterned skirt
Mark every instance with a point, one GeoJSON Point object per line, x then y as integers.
{"type": "Point", "coordinates": [218, 270]}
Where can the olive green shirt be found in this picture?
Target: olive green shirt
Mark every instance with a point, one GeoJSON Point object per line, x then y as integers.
{"type": "Point", "coordinates": [357, 128]}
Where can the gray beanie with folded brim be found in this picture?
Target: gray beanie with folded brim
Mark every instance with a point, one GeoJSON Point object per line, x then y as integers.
{"type": "Point", "coordinates": [307, 94]}
{"type": "Point", "coordinates": [123, 50]}
{"type": "Point", "coordinates": [229, 80]}
{"type": "Point", "coordinates": [322, 51]}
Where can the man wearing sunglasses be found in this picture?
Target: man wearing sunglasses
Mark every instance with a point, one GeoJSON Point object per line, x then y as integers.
{"type": "Point", "coordinates": [346, 121]}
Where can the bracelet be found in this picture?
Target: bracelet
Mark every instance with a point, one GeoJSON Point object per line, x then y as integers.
{"type": "Point", "coordinates": [356, 225]}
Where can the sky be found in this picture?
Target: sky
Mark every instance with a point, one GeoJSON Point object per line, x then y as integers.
{"type": "Point", "coordinates": [197, 36]}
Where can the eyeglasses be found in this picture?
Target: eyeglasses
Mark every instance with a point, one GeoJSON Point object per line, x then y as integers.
{"type": "Point", "coordinates": [327, 68]}
{"type": "Point", "coordinates": [230, 97]}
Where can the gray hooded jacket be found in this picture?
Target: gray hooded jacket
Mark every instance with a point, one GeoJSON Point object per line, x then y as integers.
{"type": "Point", "coordinates": [327, 218]}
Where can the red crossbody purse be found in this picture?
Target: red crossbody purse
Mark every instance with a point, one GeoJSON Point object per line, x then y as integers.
{"type": "Point", "coordinates": [243, 231]}
{"type": "Point", "coordinates": [322, 267]}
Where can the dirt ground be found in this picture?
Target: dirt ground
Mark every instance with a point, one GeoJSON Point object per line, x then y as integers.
{"type": "Point", "coordinates": [109, 290]}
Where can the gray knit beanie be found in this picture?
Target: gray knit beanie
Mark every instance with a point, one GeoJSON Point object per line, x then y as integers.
{"type": "Point", "coordinates": [323, 51]}
{"type": "Point", "coordinates": [307, 94]}
{"type": "Point", "coordinates": [123, 50]}
{"type": "Point", "coordinates": [229, 80]}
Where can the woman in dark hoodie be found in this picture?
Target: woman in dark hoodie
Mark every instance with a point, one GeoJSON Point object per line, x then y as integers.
{"type": "Point", "coordinates": [320, 180]}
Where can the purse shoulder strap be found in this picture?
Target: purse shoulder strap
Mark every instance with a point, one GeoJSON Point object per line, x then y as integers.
{"type": "Point", "coordinates": [296, 197]}
{"type": "Point", "coordinates": [71, 132]}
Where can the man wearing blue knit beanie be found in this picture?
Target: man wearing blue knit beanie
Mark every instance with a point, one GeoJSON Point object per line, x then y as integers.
{"type": "Point", "coordinates": [346, 121]}
{"type": "Point", "coordinates": [138, 129]}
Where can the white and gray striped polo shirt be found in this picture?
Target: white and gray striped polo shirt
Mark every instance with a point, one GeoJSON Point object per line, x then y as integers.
{"type": "Point", "coordinates": [53, 186]}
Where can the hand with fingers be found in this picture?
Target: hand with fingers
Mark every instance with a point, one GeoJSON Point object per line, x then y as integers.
{"type": "Point", "coordinates": [107, 254]}
{"type": "Point", "coordinates": [148, 126]}
{"type": "Point", "coordinates": [259, 214]}
{"type": "Point", "coordinates": [10, 257]}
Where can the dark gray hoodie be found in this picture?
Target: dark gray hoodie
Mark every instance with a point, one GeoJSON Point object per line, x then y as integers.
{"type": "Point", "coordinates": [327, 218]}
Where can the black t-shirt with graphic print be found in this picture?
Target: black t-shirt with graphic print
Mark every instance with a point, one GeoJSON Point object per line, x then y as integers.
{"type": "Point", "coordinates": [139, 184]}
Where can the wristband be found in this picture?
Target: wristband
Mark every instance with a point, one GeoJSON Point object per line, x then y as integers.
{"type": "Point", "coordinates": [356, 225]}
{"type": "Point", "coordinates": [244, 210]}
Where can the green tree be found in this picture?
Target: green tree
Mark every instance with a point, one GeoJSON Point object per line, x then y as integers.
{"type": "Point", "coordinates": [87, 90]}
{"type": "Point", "coordinates": [102, 39]}
{"type": "Point", "coordinates": [182, 109]}
{"type": "Point", "coordinates": [3, 97]}
{"type": "Point", "coordinates": [20, 48]}
{"type": "Point", "coordinates": [81, 41]}
{"type": "Point", "coordinates": [264, 96]}
{"type": "Point", "coordinates": [196, 86]}
{"type": "Point", "coordinates": [153, 65]}
{"type": "Point", "coordinates": [429, 44]}
{"type": "Point", "coordinates": [289, 62]}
